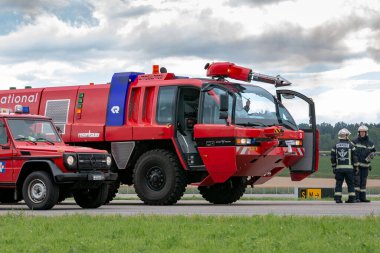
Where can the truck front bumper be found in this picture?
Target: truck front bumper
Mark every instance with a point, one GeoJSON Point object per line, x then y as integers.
{"type": "Point", "coordinates": [94, 176]}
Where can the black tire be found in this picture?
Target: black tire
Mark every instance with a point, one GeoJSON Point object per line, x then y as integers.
{"type": "Point", "coordinates": [39, 191]}
{"type": "Point", "coordinates": [91, 198]}
{"type": "Point", "coordinates": [158, 178]}
{"type": "Point", "coordinates": [7, 196]}
{"type": "Point", "coordinates": [224, 193]}
{"type": "Point", "coordinates": [112, 191]}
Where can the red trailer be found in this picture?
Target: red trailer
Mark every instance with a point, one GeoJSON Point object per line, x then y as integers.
{"type": "Point", "coordinates": [165, 132]}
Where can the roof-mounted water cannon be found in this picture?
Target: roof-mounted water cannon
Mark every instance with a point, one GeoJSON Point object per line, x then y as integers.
{"type": "Point", "coordinates": [221, 70]}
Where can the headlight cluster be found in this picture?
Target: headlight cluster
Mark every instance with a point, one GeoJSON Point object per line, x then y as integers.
{"type": "Point", "coordinates": [70, 161]}
{"type": "Point", "coordinates": [87, 161]}
{"type": "Point", "coordinates": [245, 141]}
{"type": "Point", "coordinates": [109, 161]}
{"type": "Point", "coordinates": [293, 142]}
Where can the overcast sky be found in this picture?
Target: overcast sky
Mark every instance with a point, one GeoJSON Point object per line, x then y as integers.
{"type": "Point", "coordinates": [329, 49]}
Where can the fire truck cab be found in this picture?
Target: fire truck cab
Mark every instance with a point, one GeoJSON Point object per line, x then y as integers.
{"type": "Point", "coordinates": [36, 166]}
{"type": "Point", "coordinates": [165, 132]}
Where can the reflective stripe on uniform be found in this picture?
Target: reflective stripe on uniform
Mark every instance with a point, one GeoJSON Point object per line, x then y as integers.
{"type": "Point", "coordinates": [357, 189]}
{"type": "Point", "coordinates": [363, 146]}
{"type": "Point", "coordinates": [338, 194]}
{"type": "Point", "coordinates": [333, 164]}
{"type": "Point", "coordinates": [346, 166]}
{"type": "Point", "coordinates": [363, 190]}
{"type": "Point", "coordinates": [333, 150]}
{"type": "Point", "coordinates": [364, 164]}
{"type": "Point", "coordinates": [351, 194]}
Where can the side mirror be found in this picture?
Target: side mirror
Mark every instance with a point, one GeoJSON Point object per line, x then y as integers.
{"type": "Point", "coordinates": [223, 115]}
{"type": "Point", "coordinates": [223, 109]}
{"type": "Point", "coordinates": [223, 103]}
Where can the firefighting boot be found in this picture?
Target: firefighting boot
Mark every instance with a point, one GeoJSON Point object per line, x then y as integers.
{"type": "Point", "coordinates": [338, 200]}
{"type": "Point", "coordinates": [351, 199]}
{"type": "Point", "coordinates": [357, 196]}
{"type": "Point", "coordinates": [363, 197]}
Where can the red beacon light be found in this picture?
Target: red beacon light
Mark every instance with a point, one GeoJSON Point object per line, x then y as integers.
{"type": "Point", "coordinates": [221, 70]}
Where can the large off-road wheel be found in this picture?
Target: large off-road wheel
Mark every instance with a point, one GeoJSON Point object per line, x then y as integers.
{"type": "Point", "coordinates": [39, 191]}
{"type": "Point", "coordinates": [224, 193]}
{"type": "Point", "coordinates": [112, 191]}
{"type": "Point", "coordinates": [91, 198]}
{"type": "Point", "coordinates": [158, 178]}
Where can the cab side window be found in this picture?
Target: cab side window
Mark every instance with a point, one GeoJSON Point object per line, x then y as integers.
{"type": "Point", "coordinates": [211, 107]}
{"type": "Point", "coordinates": [3, 134]}
{"type": "Point", "coordinates": [165, 104]}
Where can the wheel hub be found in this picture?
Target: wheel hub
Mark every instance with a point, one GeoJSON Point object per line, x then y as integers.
{"type": "Point", "coordinates": [37, 191]}
{"type": "Point", "coordinates": [155, 178]}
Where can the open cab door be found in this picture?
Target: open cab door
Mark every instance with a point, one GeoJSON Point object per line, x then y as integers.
{"type": "Point", "coordinates": [301, 108]}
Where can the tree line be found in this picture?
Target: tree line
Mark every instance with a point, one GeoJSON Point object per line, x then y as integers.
{"type": "Point", "coordinates": [329, 134]}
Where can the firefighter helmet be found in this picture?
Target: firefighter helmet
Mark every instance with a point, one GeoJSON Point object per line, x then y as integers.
{"type": "Point", "coordinates": [343, 133]}
{"type": "Point", "coordinates": [363, 128]}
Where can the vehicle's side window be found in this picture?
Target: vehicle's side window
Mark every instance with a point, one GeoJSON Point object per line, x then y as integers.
{"type": "Point", "coordinates": [165, 104]}
{"type": "Point", "coordinates": [211, 107]}
{"type": "Point", "coordinates": [3, 134]}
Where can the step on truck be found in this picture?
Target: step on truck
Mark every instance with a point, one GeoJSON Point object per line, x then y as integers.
{"type": "Point", "coordinates": [165, 132]}
{"type": "Point", "coordinates": [38, 167]}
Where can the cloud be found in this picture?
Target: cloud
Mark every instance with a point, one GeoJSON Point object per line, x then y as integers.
{"type": "Point", "coordinates": [128, 29]}
{"type": "Point", "coordinates": [217, 38]}
{"type": "Point", "coordinates": [255, 3]}
{"type": "Point", "coordinates": [74, 12]}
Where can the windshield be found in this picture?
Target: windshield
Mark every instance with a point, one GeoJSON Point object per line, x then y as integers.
{"type": "Point", "coordinates": [256, 106]}
{"type": "Point", "coordinates": [33, 130]}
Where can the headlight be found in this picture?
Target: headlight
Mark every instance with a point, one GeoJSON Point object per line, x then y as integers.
{"type": "Point", "coordinates": [244, 141]}
{"type": "Point", "coordinates": [109, 161]}
{"type": "Point", "coordinates": [70, 161]}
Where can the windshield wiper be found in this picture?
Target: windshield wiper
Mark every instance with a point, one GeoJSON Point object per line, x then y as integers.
{"type": "Point", "coordinates": [25, 139]}
{"type": "Point", "coordinates": [45, 140]}
{"type": "Point", "coordinates": [252, 124]}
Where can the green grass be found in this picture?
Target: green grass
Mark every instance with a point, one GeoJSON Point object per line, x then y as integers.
{"type": "Point", "coordinates": [325, 169]}
{"type": "Point", "coordinates": [188, 234]}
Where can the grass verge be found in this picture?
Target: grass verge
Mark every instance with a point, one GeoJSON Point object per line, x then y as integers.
{"type": "Point", "coordinates": [325, 170]}
{"type": "Point", "coordinates": [188, 234]}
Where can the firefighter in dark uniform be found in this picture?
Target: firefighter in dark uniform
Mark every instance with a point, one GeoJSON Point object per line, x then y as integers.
{"type": "Point", "coordinates": [344, 161]}
{"type": "Point", "coordinates": [365, 150]}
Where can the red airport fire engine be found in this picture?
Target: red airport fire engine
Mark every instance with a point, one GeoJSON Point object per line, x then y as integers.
{"type": "Point", "coordinates": [37, 166]}
{"type": "Point", "coordinates": [165, 132]}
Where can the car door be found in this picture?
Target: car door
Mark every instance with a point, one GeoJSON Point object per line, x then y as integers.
{"type": "Point", "coordinates": [6, 156]}
{"type": "Point", "coordinates": [302, 109]}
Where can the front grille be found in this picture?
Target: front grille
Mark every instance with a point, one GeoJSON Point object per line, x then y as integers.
{"type": "Point", "coordinates": [92, 161]}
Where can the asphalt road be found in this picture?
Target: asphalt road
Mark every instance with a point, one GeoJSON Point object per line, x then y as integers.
{"type": "Point", "coordinates": [199, 207]}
